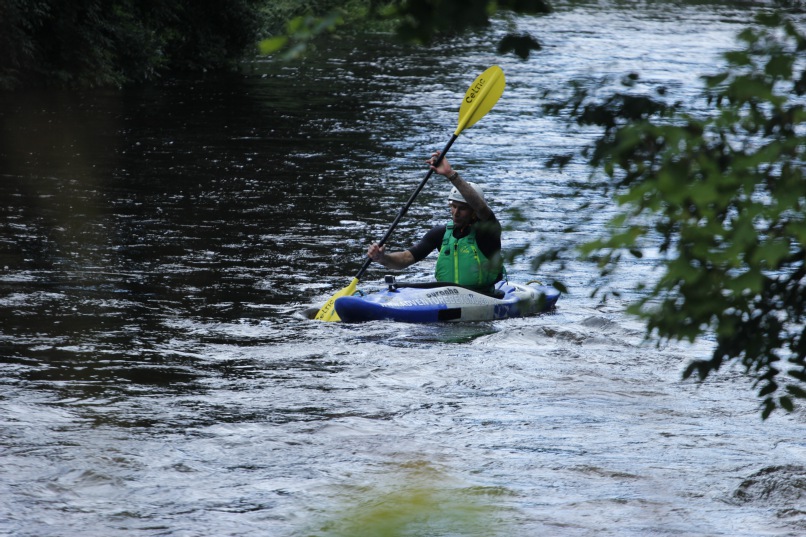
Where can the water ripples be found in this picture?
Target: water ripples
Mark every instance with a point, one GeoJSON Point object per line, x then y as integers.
{"type": "Point", "coordinates": [162, 379]}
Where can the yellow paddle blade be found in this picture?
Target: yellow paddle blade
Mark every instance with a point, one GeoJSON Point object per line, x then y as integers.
{"type": "Point", "coordinates": [484, 92]}
{"type": "Point", "coordinates": [328, 311]}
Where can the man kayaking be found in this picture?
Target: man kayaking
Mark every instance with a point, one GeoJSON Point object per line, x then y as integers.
{"type": "Point", "coordinates": [469, 246]}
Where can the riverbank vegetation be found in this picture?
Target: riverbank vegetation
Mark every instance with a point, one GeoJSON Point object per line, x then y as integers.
{"type": "Point", "coordinates": [96, 43]}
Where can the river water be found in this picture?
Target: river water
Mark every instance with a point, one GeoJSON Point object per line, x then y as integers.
{"type": "Point", "coordinates": [159, 246]}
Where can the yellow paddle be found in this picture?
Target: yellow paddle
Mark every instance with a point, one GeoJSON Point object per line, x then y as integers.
{"type": "Point", "coordinates": [479, 99]}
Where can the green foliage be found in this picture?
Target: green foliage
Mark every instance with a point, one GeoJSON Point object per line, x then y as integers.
{"type": "Point", "coordinates": [415, 21]}
{"type": "Point", "coordinates": [115, 42]}
{"type": "Point", "coordinates": [300, 31]}
{"type": "Point", "coordinates": [100, 43]}
{"type": "Point", "coordinates": [416, 498]}
{"type": "Point", "coordinates": [724, 197]}
{"type": "Point", "coordinates": [293, 26]}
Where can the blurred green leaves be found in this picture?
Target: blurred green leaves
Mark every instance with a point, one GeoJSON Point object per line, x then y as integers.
{"type": "Point", "coordinates": [415, 498]}
{"type": "Point", "coordinates": [300, 31]}
{"type": "Point", "coordinates": [414, 21]}
{"type": "Point", "coordinates": [721, 194]}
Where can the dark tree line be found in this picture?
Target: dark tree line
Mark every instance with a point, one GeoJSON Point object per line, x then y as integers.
{"type": "Point", "coordinates": [53, 43]}
{"type": "Point", "coordinates": [91, 43]}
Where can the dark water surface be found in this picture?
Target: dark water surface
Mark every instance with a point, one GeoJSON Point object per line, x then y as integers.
{"type": "Point", "coordinates": [159, 245]}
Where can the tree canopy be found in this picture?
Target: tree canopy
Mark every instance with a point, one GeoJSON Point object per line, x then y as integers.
{"type": "Point", "coordinates": [722, 195]}
{"type": "Point", "coordinates": [91, 43]}
{"type": "Point", "coordinates": [111, 43]}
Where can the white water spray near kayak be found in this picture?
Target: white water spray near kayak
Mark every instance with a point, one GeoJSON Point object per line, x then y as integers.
{"type": "Point", "coordinates": [159, 244]}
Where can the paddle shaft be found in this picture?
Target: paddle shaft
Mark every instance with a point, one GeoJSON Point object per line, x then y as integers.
{"type": "Point", "coordinates": [405, 208]}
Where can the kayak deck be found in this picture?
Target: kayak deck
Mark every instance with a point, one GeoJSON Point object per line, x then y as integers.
{"type": "Point", "coordinates": [445, 302]}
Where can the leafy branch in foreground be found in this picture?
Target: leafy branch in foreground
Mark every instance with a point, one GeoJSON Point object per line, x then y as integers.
{"type": "Point", "coordinates": [722, 193]}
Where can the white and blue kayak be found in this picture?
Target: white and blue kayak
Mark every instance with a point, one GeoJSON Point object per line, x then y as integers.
{"type": "Point", "coordinates": [445, 302]}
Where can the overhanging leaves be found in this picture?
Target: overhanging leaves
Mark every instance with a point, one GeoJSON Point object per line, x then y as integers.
{"type": "Point", "coordinates": [722, 193]}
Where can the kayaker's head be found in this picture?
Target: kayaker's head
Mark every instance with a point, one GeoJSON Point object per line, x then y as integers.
{"type": "Point", "coordinates": [455, 195]}
{"type": "Point", "coordinates": [462, 213]}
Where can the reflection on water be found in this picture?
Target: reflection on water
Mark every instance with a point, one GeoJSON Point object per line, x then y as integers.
{"type": "Point", "coordinates": [157, 248]}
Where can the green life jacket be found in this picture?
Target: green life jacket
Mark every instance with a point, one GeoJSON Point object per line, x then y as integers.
{"type": "Point", "coordinates": [461, 261]}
